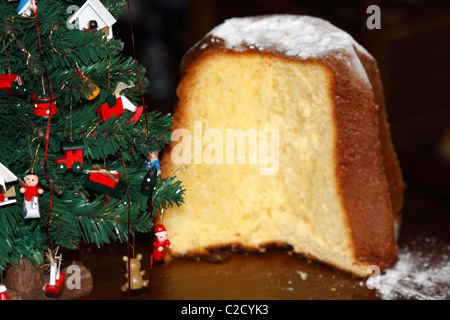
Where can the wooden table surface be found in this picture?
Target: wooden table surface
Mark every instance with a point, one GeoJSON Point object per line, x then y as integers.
{"type": "Point", "coordinates": [273, 275]}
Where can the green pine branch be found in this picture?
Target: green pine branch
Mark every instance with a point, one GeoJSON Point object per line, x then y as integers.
{"type": "Point", "coordinates": [78, 214]}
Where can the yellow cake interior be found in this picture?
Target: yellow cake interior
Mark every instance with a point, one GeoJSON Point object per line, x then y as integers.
{"type": "Point", "coordinates": [298, 202]}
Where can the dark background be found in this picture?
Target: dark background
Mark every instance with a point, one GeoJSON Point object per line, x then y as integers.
{"type": "Point", "coordinates": [412, 49]}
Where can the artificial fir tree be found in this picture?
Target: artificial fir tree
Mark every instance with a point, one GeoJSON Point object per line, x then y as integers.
{"type": "Point", "coordinates": [73, 79]}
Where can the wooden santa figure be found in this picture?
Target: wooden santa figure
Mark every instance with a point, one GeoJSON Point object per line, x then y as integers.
{"type": "Point", "coordinates": [160, 243]}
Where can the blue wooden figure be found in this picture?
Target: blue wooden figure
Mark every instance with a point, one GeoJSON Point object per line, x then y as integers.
{"type": "Point", "coordinates": [154, 162]}
{"type": "Point", "coordinates": [24, 8]}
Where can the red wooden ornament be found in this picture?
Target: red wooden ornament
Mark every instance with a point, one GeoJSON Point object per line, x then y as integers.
{"type": "Point", "coordinates": [137, 115]}
{"type": "Point", "coordinates": [105, 111]}
{"type": "Point", "coordinates": [59, 283]}
{"type": "Point", "coordinates": [160, 243]}
{"type": "Point", "coordinates": [73, 156]}
{"type": "Point", "coordinates": [104, 179]}
{"type": "Point", "coordinates": [12, 84]}
{"type": "Point", "coordinates": [3, 294]}
{"type": "Point", "coordinates": [56, 276]}
{"type": "Point", "coordinates": [44, 104]}
{"type": "Point", "coordinates": [104, 183]}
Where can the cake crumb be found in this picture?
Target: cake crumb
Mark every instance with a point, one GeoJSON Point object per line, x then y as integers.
{"type": "Point", "coordinates": [303, 275]}
{"type": "Point", "coordinates": [333, 289]}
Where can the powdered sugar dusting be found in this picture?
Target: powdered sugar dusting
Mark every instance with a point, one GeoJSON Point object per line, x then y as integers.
{"type": "Point", "coordinates": [299, 36]}
{"type": "Point", "coordinates": [419, 274]}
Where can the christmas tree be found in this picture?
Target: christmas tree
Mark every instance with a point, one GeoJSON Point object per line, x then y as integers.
{"type": "Point", "coordinates": [76, 133]}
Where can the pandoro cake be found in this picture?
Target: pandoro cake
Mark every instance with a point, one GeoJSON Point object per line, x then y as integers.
{"type": "Point", "coordinates": [282, 123]}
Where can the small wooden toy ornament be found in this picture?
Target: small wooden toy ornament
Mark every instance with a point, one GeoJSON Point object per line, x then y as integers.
{"type": "Point", "coordinates": [31, 193]}
{"type": "Point", "coordinates": [44, 104]}
{"type": "Point", "coordinates": [3, 294]}
{"type": "Point", "coordinates": [12, 84]}
{"type": "Point", "coordinates": [93, 91]}
{"type": "Point", "coordinates": [135, 273]}
{"type": "Point", "coordinates": [73, 156]}
{"type": "Point", "coordinates": [24, 8]}
{"type": "Point", "coordinates": [106, 181]}
{"type": "Point", "coordinates": [116, 104]}
{"type": "Point", "coordinates": [153, 162]}
{"type": "Point", "coordinates": [161, 241]}
{"type": "Point", "coordinates": [57, 277]}
{"type": "Point", "coordinates": [148, 185]}
{"type": "Point", "coordinates": [94, 10]}
{"type": "Point", "coordinates": [7, 191]}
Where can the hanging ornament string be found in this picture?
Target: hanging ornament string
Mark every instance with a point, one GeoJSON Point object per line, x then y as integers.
{"type": "Point", "coordinates": [129, 231]}
{"type": "Point", "coordinates": [47, 136]}
{"type": "Point", "coordinates": [71, 121]}
{"type": "Point", "coordinates": [7, 56]}
{"type": "Point", "coordinates": [34, 7]}
{"type": "Point", "coordinates": [146, 122]}
{"type": "Point", "coordinates": [140, 80]}
{"type": "Point", "coordinates": [134, 56]}
{"type": "Point", "coordinates": [181, 170]}
{"type": "Point", "coordinates": [34, 156]}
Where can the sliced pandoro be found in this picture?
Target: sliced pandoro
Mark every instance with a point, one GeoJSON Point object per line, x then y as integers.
{"type": "Point", "coordinates": [281, 121]}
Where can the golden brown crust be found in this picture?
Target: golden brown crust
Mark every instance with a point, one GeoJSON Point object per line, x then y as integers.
{"type": "Point", "coordinates": [360, 169]}
{"type": "Point", "coordinates": [390, 161]}
{"type": "Point", "coordinates": [368, 172]}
